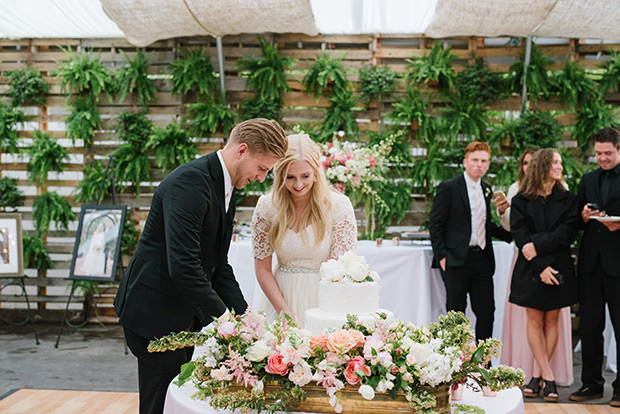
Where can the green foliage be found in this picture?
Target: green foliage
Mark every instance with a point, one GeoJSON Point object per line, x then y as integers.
{"type": "Point", "coordinates": [412, 110]}
{"type": "Point", "coordinates": [397, 196]}
{"type": "Point", "coordinates": [479, 84]}
{"type": "Point", "coordinates": [133, 128]}
{"type": "Point", "coordinates": [46, 155]}
{"type": "Point", "coordinates": [432, 169]}
{"type": "Point", "coordinates": [436, 67]}
{"type": "Point", "coordinates": [376, 82]}
{"type": "Point", "coordinates": [465, 117]}
{"type": "Point", "coordinates": [193, 72]}
{"type": "Point", "coordinates": [534, 129]}
{"type": "Point", "coordinates": [130, 236]}
{"type": "Point", "coordinates": [83, 120]}
{"type": "Point", "coordinates": [340, 116]}
{"type": "Point", "coordinates": [611, 75]}
{"type": "Point", "coordinates": [9, 119]}
{"type": "Point", "coordinates": [27, 87]}
{"type": "Point", "coordinates": [89, 190]}
{"type": "Point", "coordinates": [506, 171]}
{"type": "Point", "coordinates": [172, 146]}
{"type": "Point", "coordinates": [10, 196]}
{"type": "Point", "coordinates": [133, 77]}
{"type": "Point", "coordinates": [267, 75]}
{"type": "Point", "coordinates": [50, 207]}
{"type": "Point", "coordinates": [258, 108]}
{"type": "Point", "coordinates": [326, 76]}
{"type": "Point", "coordinates": [537, 80]}
{"type": "Point", "coordinates": [207, 117]}
{"type": "Point", "coordinates": [573, 85]}
{"type": "Point", "coordinates": [83, 75]}
{"type": "Point", "coordinates": [573, 169]}
{"type": "Point", "coordinates": [591, 118]}
{"type": "Point", "coordinates": [131, 164]}
{"type": "Point", "coordinates": [35, 253]}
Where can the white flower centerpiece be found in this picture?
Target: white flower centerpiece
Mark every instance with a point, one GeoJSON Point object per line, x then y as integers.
{"type": "Point", "coordinates": [350, 268]}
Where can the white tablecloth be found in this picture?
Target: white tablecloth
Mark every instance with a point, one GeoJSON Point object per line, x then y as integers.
{"type": "Point", "coordinates": [178, 401]}
{"type": "Point", "coordinates": [408, 286]}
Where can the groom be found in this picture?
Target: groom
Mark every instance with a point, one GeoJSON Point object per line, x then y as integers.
{"type": "Point", "coordinates": [179, 277]}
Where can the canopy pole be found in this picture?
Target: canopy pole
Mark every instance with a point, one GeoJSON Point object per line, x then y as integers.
{"type": "Point", "coordinates": [526, 63]}
{"type": "Point", "coordinates": [220, 61]}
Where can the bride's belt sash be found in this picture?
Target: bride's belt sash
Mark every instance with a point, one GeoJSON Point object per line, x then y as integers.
{"type": "Point", "coordinates": [285, 269]}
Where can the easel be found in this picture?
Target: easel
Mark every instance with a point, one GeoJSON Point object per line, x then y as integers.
{"type": "Point", "coordinates": [108, 175]}
{"type": "Point", "coordinates": [19, 281]}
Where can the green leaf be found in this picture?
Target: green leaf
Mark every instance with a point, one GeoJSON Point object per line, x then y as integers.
{"type": "Point", "coordinates": [46, 155]}
{"type": "Point", "coordinates": [134, 77]}
{"type": "Point", "coordinates": [26, 86]}
{"type": "Point", "coordinates": [186, 371]}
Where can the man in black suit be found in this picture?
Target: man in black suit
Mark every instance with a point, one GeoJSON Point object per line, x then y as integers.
{"type": "Point", "coordinates": [179, 277]}
{"type": "Point", "coordinates": [599, 263]}
{"type": "Point", "coordinates": [460, 230]}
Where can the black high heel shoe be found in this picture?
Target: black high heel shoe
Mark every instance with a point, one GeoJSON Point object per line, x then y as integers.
{"type": "Point", "coordinates": [549, 389]}
{"type": "Point", "coordinates": [533, 388]}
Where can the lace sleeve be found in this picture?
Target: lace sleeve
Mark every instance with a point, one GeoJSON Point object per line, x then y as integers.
{"type": "Point", "coordinates": [261, 247]}
{"type": "Point", "coordinates": [344, 229]}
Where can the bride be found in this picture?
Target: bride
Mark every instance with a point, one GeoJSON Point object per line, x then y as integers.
{"type": "Point", "coordinates": [305, 223]}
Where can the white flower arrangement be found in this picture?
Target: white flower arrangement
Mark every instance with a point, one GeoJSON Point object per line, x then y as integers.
{"type": "Point", "coordinates": [348, 268]}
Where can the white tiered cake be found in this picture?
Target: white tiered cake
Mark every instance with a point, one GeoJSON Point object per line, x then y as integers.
{"type": "Point", "coordinates": [347, 286]}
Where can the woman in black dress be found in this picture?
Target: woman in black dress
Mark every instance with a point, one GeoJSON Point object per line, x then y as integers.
{"type": "Point", "coordinates": [543, 221]}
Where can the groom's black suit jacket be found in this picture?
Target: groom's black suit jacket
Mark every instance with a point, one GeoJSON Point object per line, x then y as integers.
{"type": "Point", "coordinates": [180, 269]}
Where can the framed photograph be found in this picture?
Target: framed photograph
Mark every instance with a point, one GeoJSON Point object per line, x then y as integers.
{"type": "Point", "coordinates": [98, 243]}
{"type": "Point", "coordinates": [11, 250]}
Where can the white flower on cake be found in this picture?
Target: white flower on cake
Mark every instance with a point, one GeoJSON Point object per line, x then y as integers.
{"type": "Point", "coordinates": [348, 268]}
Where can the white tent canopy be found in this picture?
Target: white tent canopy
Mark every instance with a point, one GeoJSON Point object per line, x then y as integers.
{"type": "Point", "coordinates": [145, 21]}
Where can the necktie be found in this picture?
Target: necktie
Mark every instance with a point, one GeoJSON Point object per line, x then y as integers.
{"type": "Point", "coordinates": [479, 211]}
{"type": "Point", "coordinates": [605, 186]}
{"type": "Point", "coordinates": [228, 197]}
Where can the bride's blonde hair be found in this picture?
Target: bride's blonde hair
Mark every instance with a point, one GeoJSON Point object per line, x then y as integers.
{"type": "Point", "coordinates": [300, 148]}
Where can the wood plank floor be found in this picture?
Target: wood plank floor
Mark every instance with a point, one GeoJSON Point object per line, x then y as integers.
{"type": "Point", "coordinates": [92, 402]}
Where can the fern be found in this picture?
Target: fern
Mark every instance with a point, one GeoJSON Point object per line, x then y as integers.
{"type": "Point", "coordinates": [573, 85]}
{"type": "Point", "coordinates": [259, 108]}
{"type": "Point", "coordinates": [134, 77]}
{"type": "Point", "coordinates": [207, 117]}
{"type": "Point", "coordinates": [537, 79]}
{"type": "Point", "coordinates": [133, 128]}
{"type": "Point", "coordinates": [10, 196]}
{"type": "Point", "coordinates": [9, 119]}
{"type": "Point", "coordinates": [46, 155]}
{"type": "Point", "coordinates": [130, 236]}
{"type": "Point", "coordinates": [35, 253]}
{"type": "Point", "coordinates": [131, 165]}
{"type": "Point", "coordinates": [172, 146]}
{"type": "Point", "coordinates": [466, 117]}
{"type": "Point", "coordinates": [593, 117]}
{"type": "Point", "coordinates": [375, 82]}
{"type": "Point", "coordinates": [83, 120]}
{"type": "Point", "coordinates": [611, 74]}
{"type": "Point", "coordinates": [83, 75]}
{"type": "Point", "coordinates": [49, 207]}
{"type": "Point", "coordinates": [435, 67]}
{"type": "Point", "coordinates": [27, 87]}
{"type": "Point", "coordinates": [90, 188]}
{"type": "Point", "coordinates": [412, 109]}
{"type": "Point", "coordinates": [193, 72]}
{"type": "Point", "coordinates": [479, 84]}
{"type": "Point", "coordinates": [340, 116]}
{"type": "Point", "coordinates": [327, 75]}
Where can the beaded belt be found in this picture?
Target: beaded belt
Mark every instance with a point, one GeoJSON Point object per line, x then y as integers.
{"type": "Point", "coordinates": [296, 270]}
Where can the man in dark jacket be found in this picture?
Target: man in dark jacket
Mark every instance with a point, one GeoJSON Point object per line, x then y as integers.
{"type": "Point", "coordinates": [599, 263]}
{"type": "Point", "coordinates": [179, 277]}
{"type": "Point", "coordinates": [460, 230]}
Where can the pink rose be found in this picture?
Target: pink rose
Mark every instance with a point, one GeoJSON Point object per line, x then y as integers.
{"type": "Point", "coordinates": [276, 366]}
{"type": "Point", "coordinates": [319, 341]}
{"type": "Point", "coordinates": [226, 330]}
{"type": "Point", "coordinates": [355, 364]}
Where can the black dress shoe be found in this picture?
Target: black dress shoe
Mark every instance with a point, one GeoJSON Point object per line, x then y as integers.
{"type": "Point", "coordinates": [615, 400]}
{"type": "Point", "coordinates": [586, 393]}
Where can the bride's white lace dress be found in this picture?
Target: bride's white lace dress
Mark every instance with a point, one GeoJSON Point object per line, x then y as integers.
{"type": "Point", "coordinates": [297, 268]}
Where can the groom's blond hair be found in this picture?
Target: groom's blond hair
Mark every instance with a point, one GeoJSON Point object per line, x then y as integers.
{"type": "Point", "coordinates": [300, 148]}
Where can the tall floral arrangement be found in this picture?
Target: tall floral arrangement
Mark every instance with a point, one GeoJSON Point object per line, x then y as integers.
{"type": "Point", "coordinates": [242, 357]}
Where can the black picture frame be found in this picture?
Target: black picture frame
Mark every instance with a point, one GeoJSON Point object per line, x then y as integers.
{"type": "Point", "coordinates": [11, 245]}
{"type": "Point", "coordinates": [98, 243]}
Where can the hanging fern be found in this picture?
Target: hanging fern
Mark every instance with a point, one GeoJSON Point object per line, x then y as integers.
{"type": "Point", "coordinates": [480, 84]}
{"type": "Point", "coordinates": [340, 116]}
{"type": "Point", "coordinates": [10, 196]}
{"type": "Point", "coordinates": [83, 120]}
{"type": "Point", "coordinates": [9, 119]}
{"type": "Point", "coordinates": [90, 188]}
{"type": "Point", "coordinates": [537, 80]}
{"type": "Point", "coordinates": [83, 75]}
{"type": "Point", "coordinates": [26, 86]}
{"type": "Point", "coordinates": [49, 207]}
{"type": "Point", "coordinates": [193, 72]}
{"type": "Point", "coordinates": [327, 75]}
{"type": "Point", "coordinates": [611, 74]}
{"type": "Point", "coordinates": [134, 77]}
{"type": "Point", "coordinates": [376, 82]}
{"type": "Point", "coordinates": [131, 165]}
{"type": "Point", "coordinates": [574, 85]}
{"type": "Point", "coordinates": [259, 108]}
{"type": "Point", "coordinates": [436, 67]}
{"type": "Point", "coordinates": [412, 110]}
{"type": "Point", "coordinates": [133, 128]}
{"type": "Point", "coordinates": [35, 253]}
{"type": "Point", "coordinates": [130, 236]}
{"type": "Point", "coordinates": [593, 117]}
{"type": "Point", "coordinates": [205, 118]}
{"type": "Point", "coordinates": [46, 155]}
{"type": "Point", "coordinates": [465, 117]}
{"type": "Point", "coordinates": [172, 146]}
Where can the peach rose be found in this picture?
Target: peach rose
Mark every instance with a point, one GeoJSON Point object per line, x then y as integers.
{"type": "Point", "coordinates": [358, 336]}
{"type": "Point", "coordinates": [319, 341]}
{"type": "Point", "coordinates": [355, 364]}
{"type": "Point", "coordinates": [340, 341]}
{"type": "Point", "coordinates": [276, 366]}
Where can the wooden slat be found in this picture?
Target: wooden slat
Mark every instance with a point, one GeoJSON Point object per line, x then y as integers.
{"type": "Point", "coordinates": [59, 401]}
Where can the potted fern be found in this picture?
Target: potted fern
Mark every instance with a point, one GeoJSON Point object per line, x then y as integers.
{"type": "Point", "coordinates": [464, 117]}
{"type": "Point", "coordinates": [193, 72]}
{"type": "Point", "coordinates": [134, 77]}
{"type": "Point", "coordinates": [95, 186]}
{"type": "Point", "coordinates": [611, 73]}
{"type": "Point", "coordinates": [172, 146]}
{"type": "Point", "coordinates": [26, 86]}
{"type": "Point", "coordinates": [592, 117]}
{"type": "Point", "coordinates": [259, 108]}
{"type": "Point", "coordinates": [477, 83]}
{"type": "Point", "coordinates": [537, 80]}
{"type": "Point", "coordinates": [51, 207]}
{"type": "Point", "coordinates": [434, 69]}
{"type": "Point", "coordinates": [9, 120]}
{"type": "Point", "coordinates": [10, 196]}
{"type": "Point", "coordinates": [411, 110]}
{"type": "Point", "coordinates": [83, 120]}
{"type": "Point", "coordinates": [205, 118]}
{"type": "Point", "coordinates": [35, 253]}
{"type": "Point", "coordinates": [375, 82]}
{"type": "Point", "coordinates": [573, 85]}
{"type": "Point", "coordinates": [46, 155]}
{"type": "Point", "coordinates": [326, 76]}
{"type": "Point", "coordinates": [83, 75]}
{"type": "Point", "coordinates": [340, 116]}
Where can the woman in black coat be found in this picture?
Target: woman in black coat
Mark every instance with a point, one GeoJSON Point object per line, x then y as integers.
{"type": "Point", "coordinates": [543, 221]}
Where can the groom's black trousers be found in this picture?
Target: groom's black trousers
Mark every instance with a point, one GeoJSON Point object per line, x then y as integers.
{"type": "Point", "coordinates": [155, 371]}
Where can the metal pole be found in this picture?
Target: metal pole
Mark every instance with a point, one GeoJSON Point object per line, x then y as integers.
{"type": "Point", "coordinates": [220, 59]}
{"type": "Point", "coordinates": [526, 63]}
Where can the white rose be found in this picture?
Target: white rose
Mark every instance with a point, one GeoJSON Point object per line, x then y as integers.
{"type": "Point", "coordinates": [258, 351]}
{"type": "Point", "coordinates": [332, 271]}
{"type": "Point", "coordinates": [347, 258]}
{"type": "Point", "coordinates": [357, 271]}
{"type": "Point", "coordinates": [406, 343]}
{"type": "Point", "coordinates": [420, 352]}
{"type": "Point", "coordinates": [367, 392]}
